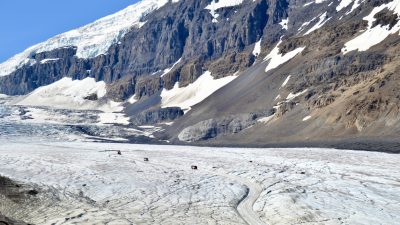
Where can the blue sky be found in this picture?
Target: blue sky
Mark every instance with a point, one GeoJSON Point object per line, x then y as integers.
{"type": "Point", "coordinates": [24, 23]}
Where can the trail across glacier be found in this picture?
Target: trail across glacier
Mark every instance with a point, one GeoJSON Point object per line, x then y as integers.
{"type": "Point", "coordinates": [245, 207]}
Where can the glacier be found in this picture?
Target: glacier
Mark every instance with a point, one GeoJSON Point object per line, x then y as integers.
{"type": "Point", "coordinates": [89, 183]}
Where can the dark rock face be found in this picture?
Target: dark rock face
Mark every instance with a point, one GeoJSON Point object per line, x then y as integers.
{"type": "Point", "coordinates": [384, 18]}
{"type": "Point", "coordinates": [231, 63]}
{"type": "Point", "coordinates": [121, 89]}
{"type": "Point", "coordinates": [147, 86]}
{"type": "Point", "coordinates": [171, 78]}
{"type": "Point", "coordinates": [155, 116]}
{"type": "Point", "coordinates": [61, 53]}
{"type": "Point", "coordinates": [190, 72]}
{"type": "Point", "coordinates": [92, 97]}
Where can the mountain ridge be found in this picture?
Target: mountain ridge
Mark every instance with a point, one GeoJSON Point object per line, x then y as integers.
{"type": "Point", "coordinates": [298, 72]}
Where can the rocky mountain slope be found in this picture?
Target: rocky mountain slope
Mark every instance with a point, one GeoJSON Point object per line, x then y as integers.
{"type": "Point", "coordinates": [242, 72]}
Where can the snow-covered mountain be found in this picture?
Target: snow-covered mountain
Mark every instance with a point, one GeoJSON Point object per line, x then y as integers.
{"type": "Point", "coordinates": [91, 40]}
{"type": "Point", "coordinates": [245, 72]}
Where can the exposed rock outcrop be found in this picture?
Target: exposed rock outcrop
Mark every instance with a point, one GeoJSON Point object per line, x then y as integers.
{"type": "Point", "coordinates": [218, 126]}
{"type": "Point", "coordinates": [154, 116]}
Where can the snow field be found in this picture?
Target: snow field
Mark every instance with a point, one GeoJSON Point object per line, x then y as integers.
{"type": "Point", "coordinates": [72, 94]}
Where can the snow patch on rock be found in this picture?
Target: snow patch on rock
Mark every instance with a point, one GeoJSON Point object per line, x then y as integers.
{"type": "Point", "coordinates": [374, 35]}
{"type": "Point", "coordinates": [291, 96]}
{"type": "Point", "coordinates": [284, 23]}
{"type": "Point", "coordinates": [214, 6]}
{"type": "Point", "coordinates": [257, 48]}
{"type": "Point", "coordinates": [266, 119]}
{"type": "Point", "coordinates": [307, 4]}
{"type": "Point", "coordinates": [343, 4]}
{"type": "Point", "coordinates": [355, 6]}
{"type": "Point", "coordinates": [276, 59]}
{"type": "Point", "coordinates": [166, 71]}
{"type": "Point", "coordinates": [132, 99]}
{"type": "Point", "coordinates": [322, 20]}
{"type": "Point", "coordinates": [286, 81]}
{"type": "Point", "coordinates": [305, 24]}
{"type": "Point", "coordinates": [44, 61]}
{"type": "Point", "coordinates": [186, 97]}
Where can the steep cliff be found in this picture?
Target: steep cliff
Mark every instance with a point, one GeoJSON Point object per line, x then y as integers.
{"type": "Point", "coordinates": [178, 30]}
